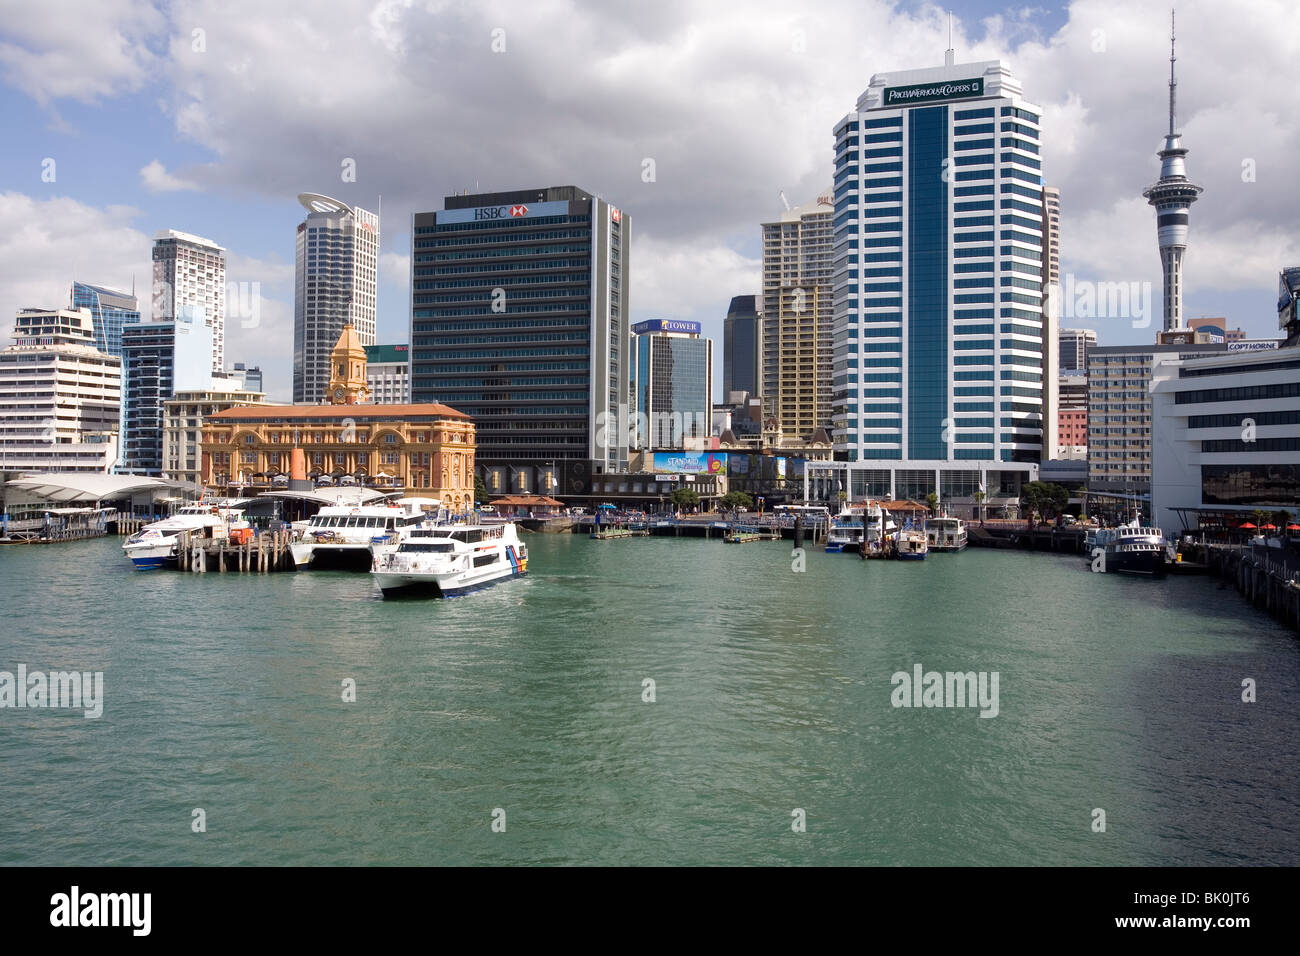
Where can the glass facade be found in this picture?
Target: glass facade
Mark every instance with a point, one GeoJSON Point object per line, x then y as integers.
{"type": "Point", "coordinates": [519, 319]}
{"type": "Point", "coordinates": [110, 309]}
{"type": "Point", "coordinates": [1276, 486]}
{"type": "Point", "coordinates": [938, 273]}
{"type": "Point", "coordinates": [673, 388]}
{"type": "Point", "coordinates": [158, 359]}
{"type": "Point", "coordinates": [927, 285]}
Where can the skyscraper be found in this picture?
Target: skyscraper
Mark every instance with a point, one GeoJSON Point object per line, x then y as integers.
{"type": "Point", "coordinates": [939, 282]}
{"type": "Point", "coordinates": [519, 309]}
{"type": "Point", "coordinates": [742, 347]}
{"type": "Point", "coordinates": [191, 271]}
{"type": "Point", "coordinates": [797, 320]}
{"type": "Point", "coordinates": [673, 385]}
{"type": "Point", "coordinates": [109, 309]}
{"type": "Point", "coordinates": [1073, 346]}
{"type": "Point", "coordinates": [335, 279]}
{"type": "Point", "coordinates": [59, 395]}
{"type": "Point", "coordinates": [1172, 196]}
{"type": "Point", "coordinates": [1050, 367]}
{"type": "Point", "coordinates": [158, 360]}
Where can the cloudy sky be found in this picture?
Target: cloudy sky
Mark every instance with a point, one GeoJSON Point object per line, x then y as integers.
{"type": "Point", "coordinates": [210, 117]}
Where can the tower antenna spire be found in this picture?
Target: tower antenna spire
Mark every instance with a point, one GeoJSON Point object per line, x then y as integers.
{"type": "Point", "coordinates": [950, 55]}
{"type": "Point", "coordinates": [1173, 83]}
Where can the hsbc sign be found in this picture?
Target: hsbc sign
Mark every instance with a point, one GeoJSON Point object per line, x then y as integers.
{"type": "Point", "coordinates": [505, 213]}
{"type": "Point", "coordinates": [500, 212]}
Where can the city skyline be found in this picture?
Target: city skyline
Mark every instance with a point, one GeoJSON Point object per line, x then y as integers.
{"type": "Point", "coordinates": [206, 157]}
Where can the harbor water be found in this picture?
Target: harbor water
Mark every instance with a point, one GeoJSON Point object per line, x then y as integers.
{"type": "Point", "coordinates": [648, 701]}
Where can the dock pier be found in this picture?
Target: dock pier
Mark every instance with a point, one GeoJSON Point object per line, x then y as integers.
{"type": "Point", "coordinates": [268, 551]}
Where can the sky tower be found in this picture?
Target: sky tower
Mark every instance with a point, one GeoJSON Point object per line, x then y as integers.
{"type": "Point", "coordinates": [1172, 195]}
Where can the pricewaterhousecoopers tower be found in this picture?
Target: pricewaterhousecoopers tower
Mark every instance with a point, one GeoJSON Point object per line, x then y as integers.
{"type": "Point", "coordinates": [1172, 196]}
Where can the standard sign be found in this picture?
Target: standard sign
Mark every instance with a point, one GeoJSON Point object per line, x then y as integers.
{"type": "Point", "coordinates": [929, 92]}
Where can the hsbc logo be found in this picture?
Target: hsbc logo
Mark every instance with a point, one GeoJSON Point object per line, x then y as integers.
{"type": "Point", "coordinates": [500, 212]}
{"type": "Point", "coordinates": [615, 214]}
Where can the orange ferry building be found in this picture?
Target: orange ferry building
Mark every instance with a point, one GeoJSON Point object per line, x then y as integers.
{"type": "Point", "coordinates": [426, 450]}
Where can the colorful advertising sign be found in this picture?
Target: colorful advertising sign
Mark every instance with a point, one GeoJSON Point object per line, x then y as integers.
{"type": "Point", "coordinates": [689, 463]}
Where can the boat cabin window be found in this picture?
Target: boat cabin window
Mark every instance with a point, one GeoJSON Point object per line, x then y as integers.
{"type": "Point", "coordinates": [427, 547]}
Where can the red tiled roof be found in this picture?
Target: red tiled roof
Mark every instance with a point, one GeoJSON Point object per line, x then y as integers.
{"type": "Point", "coordinates": [357, 412]}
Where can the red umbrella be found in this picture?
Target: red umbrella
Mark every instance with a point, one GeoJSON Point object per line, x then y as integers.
{"type": "Point", "coordinates": [1269, 527]}
{"type": "Point", "coordinates": [1247, 525]}
{"type": "Point", "coordinates": [1293, 527]}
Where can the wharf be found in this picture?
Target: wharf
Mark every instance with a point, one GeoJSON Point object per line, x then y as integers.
{"type": "Point", "coordinates": [268, 551]}
{"type": "Point", "coordinates": [1018, 534]}
{"type": "Point", "coordinates": [739, 536]}
{"type": "Point", "coordinates": [706, 526]}
{"type": "Point", "coordinates": [1269, 578]}
{"type": "Point", "coordinates": [607, 534]}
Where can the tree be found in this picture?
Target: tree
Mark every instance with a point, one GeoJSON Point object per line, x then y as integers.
{"type": "Point", "coordinates": [685, 498]}
{"type": "Point", "coordinates": [480, 491]}
{"type": "Point", "coordinates": [932, 502]}
{"type": "Point", "coordinates": [737, 499]}
{"type": "Point", "coordinates": [980, 498]}
{"type": "Point", "coordinates": [1043, 497]}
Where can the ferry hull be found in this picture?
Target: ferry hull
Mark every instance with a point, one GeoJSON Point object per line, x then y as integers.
{"type": "Point", "coordinates": [393, 585]}
{"type": "Point", "coordinates": [158, 556]}
{"type": "Point", "coordinates": [1147, 563]}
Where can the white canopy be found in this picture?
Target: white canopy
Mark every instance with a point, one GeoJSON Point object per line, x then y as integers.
{"type": "Point", "coordinates": [92, 486]}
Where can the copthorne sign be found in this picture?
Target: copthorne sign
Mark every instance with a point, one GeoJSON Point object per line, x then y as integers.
{"type": "Point", "coordinates": [929, 92]}
{"type": "Point", "coordinates": [666, 325]}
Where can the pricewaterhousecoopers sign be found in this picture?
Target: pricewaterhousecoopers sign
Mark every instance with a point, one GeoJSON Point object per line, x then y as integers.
{"type": "Point", "coordinates": [928, 92]}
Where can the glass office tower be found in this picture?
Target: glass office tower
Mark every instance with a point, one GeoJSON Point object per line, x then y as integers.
{"type": "Point", "coordinates": [519, 308]}
{"type": "Point", "coordinates": [937, 282]}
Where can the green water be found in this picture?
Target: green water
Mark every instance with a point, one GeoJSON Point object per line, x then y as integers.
{"type": "Point", "coordinates": [772, 693]}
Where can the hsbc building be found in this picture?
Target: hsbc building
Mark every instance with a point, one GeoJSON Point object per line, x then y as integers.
{"type": "Point", "coordinates": [519, 306]}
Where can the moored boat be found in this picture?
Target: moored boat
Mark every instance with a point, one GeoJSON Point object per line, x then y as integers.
{"type": "Point", "coordinates": [155, 545]}
{"type": "Point", "coordinates": [1133, 549]}
{"type": "Point", "coordinates": [945, 534]}
{"type": "Point", "coordinates": [910, 545]}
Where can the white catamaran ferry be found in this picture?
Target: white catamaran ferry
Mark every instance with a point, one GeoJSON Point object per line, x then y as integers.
{"type": "Point", "coordinates": [154, 545]}
{"type": "Point", "coordinates": [342, 534]}
{"type": "Point", "coordinates": [449, 560]}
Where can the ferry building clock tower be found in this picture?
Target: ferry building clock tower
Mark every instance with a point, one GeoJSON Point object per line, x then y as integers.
{"type": "Point", "coordinates": [348, 371]}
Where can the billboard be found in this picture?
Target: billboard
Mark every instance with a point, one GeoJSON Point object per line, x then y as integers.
{"type": "Point", "coordinates": [502, 213]}
{"type": "Point", "coordinates": [930, 92]}
{"type": "Point", "coordinates": [666, 325]}
{"type": "Point", "coordinates": [689, 463]}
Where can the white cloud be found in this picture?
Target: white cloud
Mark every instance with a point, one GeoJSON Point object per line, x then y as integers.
{"type": "Point", "coordinates": [83, 50]}
{"type": "Point", "coordinates": [731, 106]}
{"type": "Point", "coordinates": [156, 179]}
{"type": "Point", "coordinates": [47, 243]}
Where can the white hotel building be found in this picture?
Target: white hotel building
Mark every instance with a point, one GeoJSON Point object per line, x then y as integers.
{"type": "Point", "coordinates": [938, 275]}
{"type": "Point", "coordinates": [1225, 436]}
{"type": "Point", "coordinates": [59, 395]}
